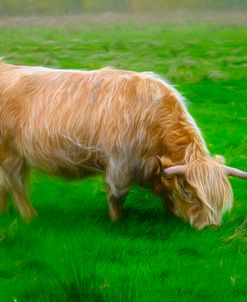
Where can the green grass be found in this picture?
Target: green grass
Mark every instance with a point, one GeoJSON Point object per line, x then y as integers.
{"type": "Point", "coordinates": [72, 252]}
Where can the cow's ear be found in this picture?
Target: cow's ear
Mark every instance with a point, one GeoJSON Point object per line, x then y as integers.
{"type": "Point", "coordinates": [164, 162]}
{"type": "Point", "coordinates": [168, 169]}
{"type": "Point", "coordinates": [160, 167]}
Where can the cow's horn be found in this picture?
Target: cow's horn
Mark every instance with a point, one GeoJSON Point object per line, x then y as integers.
{"type": "Point", "coordinates": [236, 172]}
{"type": "Point", "coordinates": [175, 170]}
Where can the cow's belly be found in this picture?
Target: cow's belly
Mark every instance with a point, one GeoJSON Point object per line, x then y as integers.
{"type": "Point", "coordinates": [62, 157]}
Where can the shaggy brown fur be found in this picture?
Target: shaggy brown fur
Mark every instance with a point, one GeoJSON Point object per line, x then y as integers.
{"type": "Point", "coordinates": [72, 123]}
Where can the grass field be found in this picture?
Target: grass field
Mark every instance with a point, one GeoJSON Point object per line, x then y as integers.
{"type": "Point", "coordinates": [71, 251]}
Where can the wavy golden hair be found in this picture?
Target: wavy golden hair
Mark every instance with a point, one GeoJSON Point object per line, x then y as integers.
{"type": "Point", "coordinates": [73, 123]}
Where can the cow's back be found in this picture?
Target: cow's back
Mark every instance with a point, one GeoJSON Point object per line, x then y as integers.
{"type": "Point", "coordinates": [69, 119]}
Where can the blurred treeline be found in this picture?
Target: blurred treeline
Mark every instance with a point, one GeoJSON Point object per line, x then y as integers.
{"type": "Point", "coordinates": [54, 7]}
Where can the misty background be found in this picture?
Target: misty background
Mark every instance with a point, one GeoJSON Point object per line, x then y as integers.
{"type": "Point", "coordinates": [63, 7]}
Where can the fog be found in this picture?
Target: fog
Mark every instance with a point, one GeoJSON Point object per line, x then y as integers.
{"type": "Point", "coordinates": [64, 7]}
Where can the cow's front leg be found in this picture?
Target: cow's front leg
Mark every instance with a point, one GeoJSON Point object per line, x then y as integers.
{"type": "Point", "coordinates": [118, 179]}
{"type": "Point", "coordinates": [114, 207]}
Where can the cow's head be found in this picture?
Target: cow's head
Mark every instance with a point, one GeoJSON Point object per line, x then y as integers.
{"type": "Point", "coordinates": [198, 191]}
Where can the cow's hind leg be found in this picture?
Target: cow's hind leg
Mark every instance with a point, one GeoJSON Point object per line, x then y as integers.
{"type": "Point", "coordinates": [118, 181]}
{"type": "Point", "coordinates": [13, 174]}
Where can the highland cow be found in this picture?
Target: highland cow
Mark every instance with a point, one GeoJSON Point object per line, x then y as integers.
{"type": "Point", "coordinates": [132, 126]}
